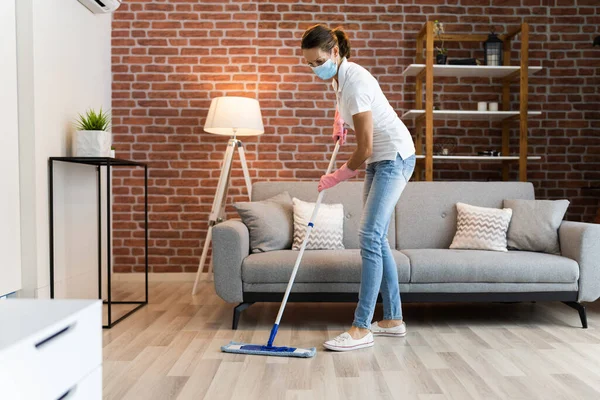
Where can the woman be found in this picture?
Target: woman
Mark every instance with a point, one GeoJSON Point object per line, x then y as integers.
{"type": "Point", "coordinates": [384, 143]}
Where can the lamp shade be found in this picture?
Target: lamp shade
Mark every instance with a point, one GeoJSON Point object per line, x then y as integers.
{"type": "Point", "coordinates": [239, 116]}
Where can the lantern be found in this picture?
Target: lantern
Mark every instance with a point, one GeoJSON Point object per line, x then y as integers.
{"type": "Point", "coordinates": [493, 47]}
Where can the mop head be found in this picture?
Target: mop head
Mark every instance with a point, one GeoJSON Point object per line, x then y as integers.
{"type": "Point", "coordinates": [261, 350]}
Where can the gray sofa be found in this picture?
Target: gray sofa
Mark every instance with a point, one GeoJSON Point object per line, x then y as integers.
{"type": "Point", "coordinates": [420, 233]}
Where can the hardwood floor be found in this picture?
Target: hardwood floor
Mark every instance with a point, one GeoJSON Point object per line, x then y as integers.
{"type": "Point", "coordinates": [171, 350]}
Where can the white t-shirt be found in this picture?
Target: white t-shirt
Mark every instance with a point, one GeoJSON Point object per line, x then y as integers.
{"type": "Point", "coordinates": [358, 92]}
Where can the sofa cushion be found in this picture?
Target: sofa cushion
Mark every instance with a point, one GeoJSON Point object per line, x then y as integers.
{"type": "Point", "coordinates": [535, 223]}
{"type": "Point", "coordinates": [442, 266]}
{"type": "Point", "coordinates": [316, 266]}
{"type": "Point", "coordinates": [270, 222]}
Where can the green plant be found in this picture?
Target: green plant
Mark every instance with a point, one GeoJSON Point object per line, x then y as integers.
{"type": "Point", "coordinates": [93, 121]}
{"type": "Point", "coordinates": [438, 30]}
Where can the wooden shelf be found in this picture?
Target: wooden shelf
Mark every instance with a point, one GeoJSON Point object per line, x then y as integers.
{"type": "Point", "coordinates": [468, 71]}
{"type": "Point", "coordinates": [468, 115]}
{"type": "Point", "coordinates": [424, 115]}
{"type": "Point", "coordinates": [479, 158]}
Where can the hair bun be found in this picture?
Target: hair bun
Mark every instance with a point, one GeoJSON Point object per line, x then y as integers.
{"type": "Point", "coordinates": [343, 42]}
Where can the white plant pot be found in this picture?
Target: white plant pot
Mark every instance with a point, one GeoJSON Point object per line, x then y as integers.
{"type": "Point", "coordinates": [93, 144]}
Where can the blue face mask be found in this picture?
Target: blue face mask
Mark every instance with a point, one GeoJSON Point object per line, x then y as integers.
{"type": "Point", "coordinates": [327, 70]}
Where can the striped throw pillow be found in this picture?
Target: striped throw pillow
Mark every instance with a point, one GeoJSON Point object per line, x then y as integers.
{"type": "Point", "coordinates": [481, 228]}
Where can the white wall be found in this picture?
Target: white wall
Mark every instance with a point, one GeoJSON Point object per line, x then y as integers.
{"type": "Point", "coordinates": [64, 68]}
{"type": "Point", "coordinates": [10, 227]}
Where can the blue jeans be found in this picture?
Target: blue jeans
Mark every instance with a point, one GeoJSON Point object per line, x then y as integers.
{"type": "Point", "coordinates": [384, 183]}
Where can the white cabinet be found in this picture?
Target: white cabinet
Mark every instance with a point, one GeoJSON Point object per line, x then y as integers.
{"type": "Point", "coordinates": [50, 349]}
{"type": "Point", "coordinates": [10, 232]}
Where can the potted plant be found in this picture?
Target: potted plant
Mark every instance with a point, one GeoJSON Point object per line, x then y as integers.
{"type": "Point", "coordinates": [442, 53]}
{"type": "Point", "coordinates": [93, 138]}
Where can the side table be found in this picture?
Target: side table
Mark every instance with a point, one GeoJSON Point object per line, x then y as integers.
{"type": "Point", "coordinates": [99, 162]}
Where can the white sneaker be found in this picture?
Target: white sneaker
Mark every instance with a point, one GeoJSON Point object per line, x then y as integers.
{"type": "Point", "coordinates": [397, 331]}
{"type": "Point", "coordinates": [344, 342]}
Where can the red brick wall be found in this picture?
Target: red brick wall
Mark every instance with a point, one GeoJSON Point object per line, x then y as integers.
{"type": "Point", "coordinates": [170, 58]}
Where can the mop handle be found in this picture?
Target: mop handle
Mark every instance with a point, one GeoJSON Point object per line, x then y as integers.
{"type": "Point", "coordinates": [299, 258]}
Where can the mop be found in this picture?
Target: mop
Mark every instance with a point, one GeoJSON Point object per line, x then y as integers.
{"type": "Point", "coordinates": [269, 349]}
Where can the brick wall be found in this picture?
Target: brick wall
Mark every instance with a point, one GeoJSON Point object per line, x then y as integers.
{"type": "Point", "coordinates": [170, 58]}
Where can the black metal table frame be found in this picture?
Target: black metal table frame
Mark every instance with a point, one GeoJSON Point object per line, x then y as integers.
{"type": "Point", "coordinates": [99, 162]}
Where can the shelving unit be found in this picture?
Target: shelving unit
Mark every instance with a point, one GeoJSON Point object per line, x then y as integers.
{"type": "Point", "coordinates": [424, 115]}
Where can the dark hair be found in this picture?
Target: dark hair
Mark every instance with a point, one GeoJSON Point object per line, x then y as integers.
{"type": "Point", "coordinates": [326, 39]}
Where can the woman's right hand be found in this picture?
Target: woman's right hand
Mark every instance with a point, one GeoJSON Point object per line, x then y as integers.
{"type": "Point", "coordinates": [330, 180]}
{"type": "Point", "coordinates": [339, 132]}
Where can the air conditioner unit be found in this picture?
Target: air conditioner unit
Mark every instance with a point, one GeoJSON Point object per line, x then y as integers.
{"type": "Point", "coordinates": [101, 6]}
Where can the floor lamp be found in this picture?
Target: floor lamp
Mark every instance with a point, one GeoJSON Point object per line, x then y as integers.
{"type": "Point", "coordinates": [229, 116]}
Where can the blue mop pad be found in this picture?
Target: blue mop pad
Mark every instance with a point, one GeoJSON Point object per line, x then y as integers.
{"type": "Point", "coordinates": [255, 349]}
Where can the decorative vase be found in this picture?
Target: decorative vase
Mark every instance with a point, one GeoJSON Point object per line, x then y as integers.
{"type": "Point", "coordinates": [441, 59]}
{"type": "Point", "coordinates": [93, 144]}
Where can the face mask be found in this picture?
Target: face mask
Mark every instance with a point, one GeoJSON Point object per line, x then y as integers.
{"type": "Point", "coordinates": [327, 70]}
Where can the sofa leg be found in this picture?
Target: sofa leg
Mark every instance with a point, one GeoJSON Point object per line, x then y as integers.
{"type": "Point", "coordinates": [237, 312]}
{"type": "Point", "coordinates": [581, 308]}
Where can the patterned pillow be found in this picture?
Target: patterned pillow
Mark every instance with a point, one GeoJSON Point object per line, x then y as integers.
{"type": "Point", "coordinates": [481, 228]}
{"type": "Point", "coordinates": [328, 231]}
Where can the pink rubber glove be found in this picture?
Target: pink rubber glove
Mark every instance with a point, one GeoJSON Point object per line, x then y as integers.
{"type": "Point", "coordinates": [330, 180]}
{"type": "Point", "coordinates": [339, 132]}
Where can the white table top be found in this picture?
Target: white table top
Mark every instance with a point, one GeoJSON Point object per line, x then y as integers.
{"type": "Point", "coordinates": [23, 318]}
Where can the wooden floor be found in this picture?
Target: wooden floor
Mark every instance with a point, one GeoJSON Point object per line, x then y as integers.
{"type": "Point", "coordinates": [171, 350]}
